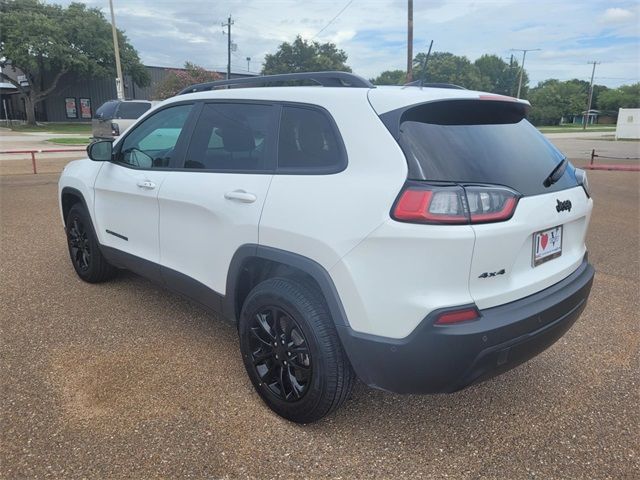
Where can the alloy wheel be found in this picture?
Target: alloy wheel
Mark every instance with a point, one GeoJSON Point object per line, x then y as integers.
{"type": "Point", "coordinates": [79, 244]}
{"type": "Point", "coordinates": [280, 353]}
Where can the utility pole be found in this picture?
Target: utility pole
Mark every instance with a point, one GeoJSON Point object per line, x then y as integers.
{"type": "Point", "coordinates": [524, 56]}
{"type": "Point", "coordinates": [116, 48]}
{"type": "Point", "coordinates": [228, 25]}
{"type": "Point", "coordinates": [586, 115]}
{"type": "Point", "coordinates": [248, 64]}
{"type": "Point", "coordinates": [409, 41]}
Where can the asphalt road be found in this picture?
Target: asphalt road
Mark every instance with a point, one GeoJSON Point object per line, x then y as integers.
{"type": "Point", "coordinates": [126, 380]}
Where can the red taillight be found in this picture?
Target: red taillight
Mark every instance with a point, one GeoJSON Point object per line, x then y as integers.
{"type": "Point", "coordinates": [455, 205]}
{"type": "Point", "coordinates": [457, 316]}
{"type": "Point", "coordinates": [489, 204]}
{"type": "Point", "coordinates": [430, 206]}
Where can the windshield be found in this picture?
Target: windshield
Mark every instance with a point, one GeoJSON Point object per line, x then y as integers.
{"type": "Point", "coordinates": [480, 142]}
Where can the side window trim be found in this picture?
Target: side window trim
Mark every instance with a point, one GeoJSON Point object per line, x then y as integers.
{"type": "Point", "coordinates": [272, 148]}
{"type": "Point", "coordinates": [181, 144]}
{"type": "Point", "coordinates": [185, 137]}
{"type": "Point", "coordinates": [336, 131]}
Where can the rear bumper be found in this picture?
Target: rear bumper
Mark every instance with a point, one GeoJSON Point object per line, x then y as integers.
{"type": "Point", "coordinates": [435, 359]}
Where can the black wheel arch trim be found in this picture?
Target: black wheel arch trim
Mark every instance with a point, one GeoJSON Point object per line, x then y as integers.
{"type": "Point", "coordinates": [77, 193]}
{"type": "Point", "coordinates": [312, 268]}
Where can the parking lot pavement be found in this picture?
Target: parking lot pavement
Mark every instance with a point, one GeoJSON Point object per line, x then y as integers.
{"type": "Point", "coordinates": [127, 380]}
{"type": "Point", "coordinates": [579, 147]}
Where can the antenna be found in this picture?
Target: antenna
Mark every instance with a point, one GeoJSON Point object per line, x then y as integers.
{"type": "Point", "coordinates": [423, 77]}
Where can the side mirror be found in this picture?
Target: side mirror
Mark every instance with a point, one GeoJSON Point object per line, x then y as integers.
{"type": "Point", "coordinates": [100, 151]}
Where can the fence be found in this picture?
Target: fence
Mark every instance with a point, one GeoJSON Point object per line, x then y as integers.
{"type": "Point", "coordinates": [612, 166]}
{"type": "Point", "coordinates": [34, 152]}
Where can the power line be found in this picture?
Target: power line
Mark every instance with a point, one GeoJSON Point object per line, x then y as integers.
{"type": "Point", "coordinates": [333, 19]}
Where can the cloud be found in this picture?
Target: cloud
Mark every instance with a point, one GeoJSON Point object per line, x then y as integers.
{"type": "Point", "coordinates": [373, 32]}
{"type": "Point", "coordinates": [617, 15]}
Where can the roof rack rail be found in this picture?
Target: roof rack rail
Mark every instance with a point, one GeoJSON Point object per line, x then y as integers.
{"type": "Point", "coordinates": [418, 83]}
{"type": "Point", "coordinates": [324, 79]}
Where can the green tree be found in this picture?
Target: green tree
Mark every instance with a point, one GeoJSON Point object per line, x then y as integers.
{"type": "Point", "coordinates": [445, 67]}
{"type": "Point", "coordinates": [552, 99]}
{"type": "Point", "coordinates": [47, 42]}
{"type": "Point", "coordinates": [177, 80]}
{"type": "Point", "coordinates": [305, 56]}
{"type": "Point", "coordinates": [499, 76]}
{"type": "Point", "coordinates": [627, 96]}
{"type": "Point", "coordinates": [390, 77]}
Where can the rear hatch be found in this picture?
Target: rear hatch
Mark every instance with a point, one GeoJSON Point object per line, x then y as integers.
{"type": "Point", "coordinates": [477, 142]}
{"type": "Point", "coordinates": [101, 123]}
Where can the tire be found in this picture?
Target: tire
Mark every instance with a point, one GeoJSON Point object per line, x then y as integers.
{"type": "Point", "coordinates": [306, 377]}
{"type": "Point", "coordinates": [84, 251]}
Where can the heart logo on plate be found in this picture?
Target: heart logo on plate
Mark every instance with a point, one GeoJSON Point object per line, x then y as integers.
{"type": "Point", "coordinates": [544, 240]}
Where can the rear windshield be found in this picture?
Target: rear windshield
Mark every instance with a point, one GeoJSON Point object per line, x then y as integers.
{"type": "Point", "coordinates": [132, 110]}
{"type": "Point", "coordinates": [107, 110]}
{"type": "Point", "coordinates": [479, 142]}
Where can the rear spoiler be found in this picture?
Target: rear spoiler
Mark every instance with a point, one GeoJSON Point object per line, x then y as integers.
{"type": "Point", "coordinates": [459, 111]}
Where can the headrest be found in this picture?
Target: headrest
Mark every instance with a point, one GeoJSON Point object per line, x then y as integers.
{"type": "Point", "coordinates": [237, 139]}
{"type": "Point", "coordinates": [311, 137]}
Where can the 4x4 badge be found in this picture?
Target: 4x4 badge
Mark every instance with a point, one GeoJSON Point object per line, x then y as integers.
{"type": "Point", "coordinates": [492, 274]}
{"type": "Point", "coordinates": [566, 205]}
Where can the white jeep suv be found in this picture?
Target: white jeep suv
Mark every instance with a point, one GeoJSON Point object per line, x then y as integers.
{"type": "Point", "coordinates": [421, 239]}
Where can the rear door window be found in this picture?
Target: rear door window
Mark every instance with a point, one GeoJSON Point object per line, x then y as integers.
{"type": "Point", "coordinates": [132, 110]}
{"type": "Point", "coordinates": [482, 141]}
{"type": "Point", "coordinates": [234, 137]}
{"type": "Point", "coordinates": [308, 142]}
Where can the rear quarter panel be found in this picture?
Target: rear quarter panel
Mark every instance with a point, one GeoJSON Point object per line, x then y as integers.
{"type": "Point", "coordinates": [323, 217]}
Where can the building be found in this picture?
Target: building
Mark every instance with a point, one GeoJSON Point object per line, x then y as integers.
{"type": "Point", "coordinates": [77, 98]}
{"type": "Point", "coordinates": [628, 126]}
{"type": "Point", "coordinates": [6, 91]}
{"type": "Point", "coordinates": [594, 117]}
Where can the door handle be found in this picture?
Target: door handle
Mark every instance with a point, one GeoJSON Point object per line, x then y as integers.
{"type": "Point", "coordinates": [146, 184]}
{"type": "Point", "coordinates": [241, 196]}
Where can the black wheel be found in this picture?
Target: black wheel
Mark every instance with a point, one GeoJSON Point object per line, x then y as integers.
{"type": "Point", "coordinates": [85, 255]}
{"type": "Point", "coordinates": [291, 350]}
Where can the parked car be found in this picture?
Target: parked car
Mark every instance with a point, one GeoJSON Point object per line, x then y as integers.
{"type": "Point", "coordinates": [422, 239]}
{"type": "Point", "coordinates": [115, 116]}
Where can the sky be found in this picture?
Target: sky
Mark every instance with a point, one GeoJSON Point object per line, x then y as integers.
{"type": "Point", "coordinates": [569, 33]}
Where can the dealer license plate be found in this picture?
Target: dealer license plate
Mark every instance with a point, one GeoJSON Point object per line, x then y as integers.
{"type": "Point", "coordinates": [547, 245]}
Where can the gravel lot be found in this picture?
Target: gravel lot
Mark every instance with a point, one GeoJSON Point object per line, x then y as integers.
{"type": "Point", "coordinates": [127, 380]}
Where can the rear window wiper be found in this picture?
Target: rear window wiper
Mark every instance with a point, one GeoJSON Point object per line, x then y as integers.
{"type": "Point", "coordinates": [556, 173]}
